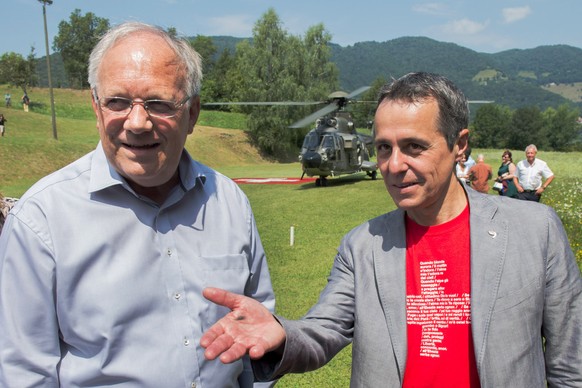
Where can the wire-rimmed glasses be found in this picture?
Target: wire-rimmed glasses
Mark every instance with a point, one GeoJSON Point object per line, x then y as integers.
{"type": "Point", "coordinates": [121, 106]}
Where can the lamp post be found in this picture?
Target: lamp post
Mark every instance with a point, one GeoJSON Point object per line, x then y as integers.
{"type": "Point", "coordinates": [48, 64]}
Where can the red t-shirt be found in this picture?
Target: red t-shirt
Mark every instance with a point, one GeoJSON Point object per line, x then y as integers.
{"type": "Point", "coordinates": [438, 305]}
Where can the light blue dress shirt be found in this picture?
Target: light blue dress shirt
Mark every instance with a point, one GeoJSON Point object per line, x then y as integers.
{"type": "Point", "coordinates": [102, 287]}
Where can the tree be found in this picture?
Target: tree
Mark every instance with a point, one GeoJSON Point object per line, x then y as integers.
{"type": "Point", "coordinates": [265, 77]}
{"type": "Point", "coordinates": [15, 70]}
{"type": "Point", "coordinates": [526, 125]}
{"type": "Point", "coordinates": [217, 85]}
{"type": "Point", "coordinates": [279, 67]}
{"type": "Point", "coordinates": [172, 31]}
{"type": "Point", "coordinates": [320, 75]}
{"type": "Point", "coordinates": [205, 47]}
{"type": "Point", "coordinates": [212, 82]}
{"type": "Point", "coordinates": [75, 41]}
{"type": "Point", "coordinates": [31, 64]}
{"type": "Point", "coordinates": [561, 127]}
{"type": "Point", "coordinates": [491, 126]}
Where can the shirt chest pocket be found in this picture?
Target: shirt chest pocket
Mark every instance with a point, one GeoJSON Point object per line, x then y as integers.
{"type": "Point", "coordinates": [229, 272]}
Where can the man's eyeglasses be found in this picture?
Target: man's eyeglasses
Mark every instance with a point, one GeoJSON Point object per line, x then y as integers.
{"type": "Point", "coordinates": [121, 106]}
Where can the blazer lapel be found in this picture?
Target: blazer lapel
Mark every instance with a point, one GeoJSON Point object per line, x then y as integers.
{"type": "Point", "coordinates": [489, 237]}
{"type": "Point", "coordinates": [390, 268]}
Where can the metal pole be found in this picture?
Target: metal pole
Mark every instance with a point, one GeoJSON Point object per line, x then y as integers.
{"type": "Point", "coordinates": [50, 82]}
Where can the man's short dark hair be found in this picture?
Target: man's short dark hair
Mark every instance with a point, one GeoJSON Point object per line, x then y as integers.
{"type": "Point", "coordinates": [421, 86]}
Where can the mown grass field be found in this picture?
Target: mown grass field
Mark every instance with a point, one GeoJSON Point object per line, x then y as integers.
{"type": "Point", "coordinates": [320, 216]}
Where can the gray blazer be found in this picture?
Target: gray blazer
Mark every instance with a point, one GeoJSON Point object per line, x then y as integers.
{"type": "Point", "coordinates": [525, 284]}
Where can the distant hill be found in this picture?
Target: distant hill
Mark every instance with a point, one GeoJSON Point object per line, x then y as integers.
{"type": "Point", "coordinates": [543, 76]}
{"type": "Point", "coordinates": [514, 77]}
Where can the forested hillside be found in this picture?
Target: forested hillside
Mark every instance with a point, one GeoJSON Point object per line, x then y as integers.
{"type": "Point", "coordinates": [514, 78]}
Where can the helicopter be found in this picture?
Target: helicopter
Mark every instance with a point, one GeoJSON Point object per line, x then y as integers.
{"type": "Point", "coordinates": [333, 147]}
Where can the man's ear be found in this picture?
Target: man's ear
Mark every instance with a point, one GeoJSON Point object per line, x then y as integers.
{"type": "Point", "coordinates": [462, 144]}
{"type": "Point", "coordinates": [193, 112]}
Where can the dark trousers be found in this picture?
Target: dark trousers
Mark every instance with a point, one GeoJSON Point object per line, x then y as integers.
{"type": "Point", "coordinates": [529, 195]}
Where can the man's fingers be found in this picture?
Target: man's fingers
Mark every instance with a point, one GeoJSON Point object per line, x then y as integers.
{"type": "Point", "coordinates": [221, 297]}
{"type": "Point", "coordinates": [229, 350]}
{"type": "Point", "coordinates": [234, 353]}
{"type": "Point", "coordinates": [210, 335]}
{"type": "Point", "coordinates": [257, 352]}
{"type": "Point", "coordinates": [218, 346]}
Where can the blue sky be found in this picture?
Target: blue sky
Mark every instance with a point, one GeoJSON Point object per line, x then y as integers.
{"type": "Point", "coordinates": [488, 26]}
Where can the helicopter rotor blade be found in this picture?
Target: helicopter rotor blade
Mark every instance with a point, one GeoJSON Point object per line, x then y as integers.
{"type": "Point", "coordinates": [263, 103]}
{"type": "Point", "coordinates": [358, 91]}
{"type": "Point", "coordinates": [314, 116]}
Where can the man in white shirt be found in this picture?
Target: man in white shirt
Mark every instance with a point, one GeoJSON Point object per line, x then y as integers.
{"type": "Point", "coordinates": [529, 173]}
{"type": "Point", "coordinates": [107, 290]}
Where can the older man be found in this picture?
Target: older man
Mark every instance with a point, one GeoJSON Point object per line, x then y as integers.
{"type": "Point", "coordinates": [528, 176]}
{"type": "Point", "coordinates": [102, 264]}
{"type": "Point", "coordinates": [452, 289]}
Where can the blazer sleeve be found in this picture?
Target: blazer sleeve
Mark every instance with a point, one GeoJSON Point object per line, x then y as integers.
{"type": "Point", "coordinates": [325, 330]}
{"type": "Point", "coordinates": [562, 319]}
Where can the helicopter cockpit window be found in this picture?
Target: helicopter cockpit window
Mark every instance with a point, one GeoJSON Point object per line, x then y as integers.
{"type": "Point", "coordinates": [311, 141]}
{"type": "Point", "coordinates": [327, 142]}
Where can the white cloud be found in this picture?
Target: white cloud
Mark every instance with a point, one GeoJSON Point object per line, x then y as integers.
{"type": "Point", "coordinates": [464, 27]}
{"type": "Point", "coordinates": [235, 25]}
{"type": "Point", "coordinates": [511, 15]}
{"type": "Point", "coordinates": [430, 8]}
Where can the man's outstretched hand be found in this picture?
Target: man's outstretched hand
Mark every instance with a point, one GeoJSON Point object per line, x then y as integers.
{"type": "Point", "coordinates": [248, 328]}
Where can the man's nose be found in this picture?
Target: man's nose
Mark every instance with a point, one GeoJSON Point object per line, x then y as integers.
{"type": "Point", "coordinates": [397, 161]}
{"type": "Point", "coordinates": [138, 119]}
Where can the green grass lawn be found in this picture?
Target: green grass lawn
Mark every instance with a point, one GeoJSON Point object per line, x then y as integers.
{"type": "Point", "coordinates": [320, 216]}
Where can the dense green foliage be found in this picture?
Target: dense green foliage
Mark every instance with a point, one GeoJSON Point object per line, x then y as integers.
{"type": "Point", "coordinates": [558, 63]}
{"type": "Point", "coordinates": [519, 73]}
{"type": "Point", "coordinates": [75, 40]}
{"type": "Point", "coordinates": [491, 126]}
{"type": "Point", "coordinates": [274, 67]}
{"type": "Point", "coordinates": [17, 71]}
{"type": "Point", "coordinates": [552, 129]}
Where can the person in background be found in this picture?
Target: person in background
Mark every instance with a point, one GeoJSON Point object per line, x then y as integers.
{"type": "Point", "coordinates": [529, 173]}
{"type": "Point", "coordinates": [2, 124]}
{"type": "Point", "coordinates": [462, 170]}
{"type": "Point", "coordinates": [25, 102]}
{"type": "Point", "coordinates": [107, 290]}
{"type": "Point", "coordinates": [470, 161]}
{"type": "Point", "coordinates": [480, 174]}
{"type": "Point", "coordinates": [6, 203]}
{"type": "Point", "coordinates": [8, 99]}
{"type": "Point", "coordinates": [452, 289]}
{"type": "Point", "coordinates": [505, 175]}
